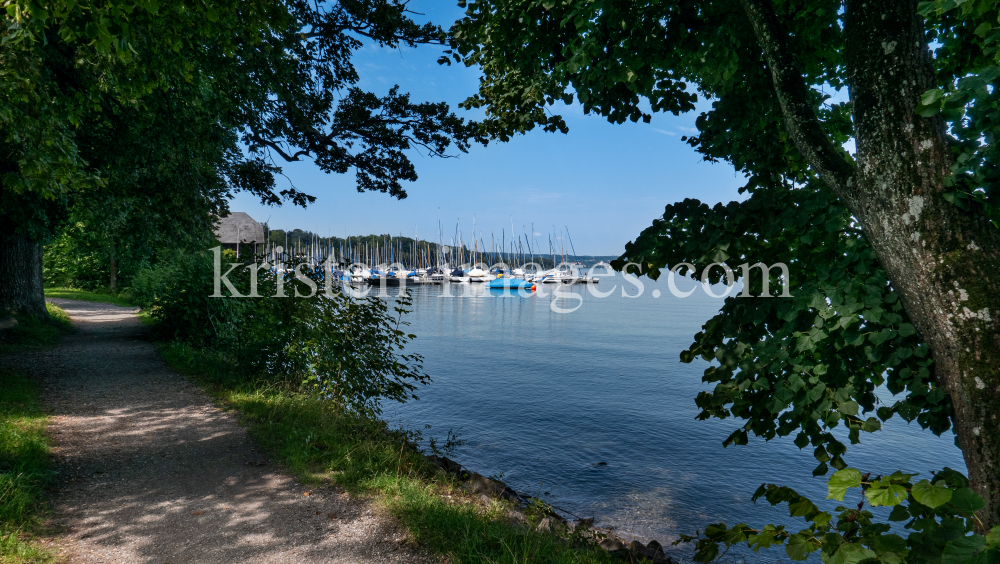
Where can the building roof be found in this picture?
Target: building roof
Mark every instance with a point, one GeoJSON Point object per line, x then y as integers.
{"type": "Point", "coordinates": [238, 225]}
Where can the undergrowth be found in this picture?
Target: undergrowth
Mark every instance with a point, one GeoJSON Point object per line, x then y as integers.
{"type": "Point", "coordinates": [364, 456]}
{"type": "Point", "coordinates": [24, 469]}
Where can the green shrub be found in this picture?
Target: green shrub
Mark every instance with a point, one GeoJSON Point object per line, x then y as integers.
{"type": "Point", "coordinates": [345, 349]}
{"type": "Point", "coordinates": [178, 292]}
{"type": "Point", "coordinates": [350, 351]}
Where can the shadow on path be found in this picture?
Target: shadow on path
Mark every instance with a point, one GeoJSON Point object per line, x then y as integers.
{"type": "Point", "coordinates": [151, 471]}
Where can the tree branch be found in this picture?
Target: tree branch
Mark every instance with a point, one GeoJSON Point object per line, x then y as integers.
{"type": "Point", "coordinates": [277, 148]}
{"type": "Point", "coordinates": [793, 95]}
{"type": "Point", "coordinates": [322, 30]}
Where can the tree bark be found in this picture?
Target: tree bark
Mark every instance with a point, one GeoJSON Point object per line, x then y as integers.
{"type": "Point", "coordinates": [113, 281]}
{"type": "Point", "coordinates": [21, 288]}
{"type": "Point", "coordinates": [945, 263]}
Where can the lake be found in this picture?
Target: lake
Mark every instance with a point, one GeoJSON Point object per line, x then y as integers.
{"type": "Point", "coordinates": [541, 398]}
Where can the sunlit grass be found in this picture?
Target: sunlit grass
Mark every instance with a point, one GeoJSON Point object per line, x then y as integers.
{"type": "Point", "coordinates": [24, 469]}
{"type": "Point", "coordinates": [364, 456]}
{"type": "Point", "coordinates": [123, 299]}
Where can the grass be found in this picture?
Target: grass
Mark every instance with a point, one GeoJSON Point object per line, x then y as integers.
{"type": "Point", "coordinates": [24, 469]}
{"type": "Point", "coordinates": [35, 333]}
{"type": "Point", "coordinates": [320, 444]}
{"type": "Point", "coordinates": [123, 299]}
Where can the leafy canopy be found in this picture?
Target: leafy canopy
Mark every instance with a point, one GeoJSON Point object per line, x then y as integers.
{"type": "Point", "coordinates": [258, 81]}
{"type": "Point", "coordinates": [799, 366]}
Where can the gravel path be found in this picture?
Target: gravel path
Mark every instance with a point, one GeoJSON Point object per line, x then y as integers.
{"type": "Point", "coordinates": [150, 470]}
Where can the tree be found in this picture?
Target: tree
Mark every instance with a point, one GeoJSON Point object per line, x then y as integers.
{"type": "Point", "coordinates": [256, 81]}
{"type": "Point", "coordinates": [894, 249]}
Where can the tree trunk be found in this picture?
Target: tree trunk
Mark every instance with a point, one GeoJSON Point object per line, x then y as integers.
{"type": "Point", "coordinates": [21, 288]}
{"type": "Point", "coordinates": [113, 281]}
{"type": "Point", "coordinates": [944, 262]}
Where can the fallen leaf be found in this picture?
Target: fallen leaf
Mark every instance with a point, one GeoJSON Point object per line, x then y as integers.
{"type": "Point", "coordinates": [199, 512]}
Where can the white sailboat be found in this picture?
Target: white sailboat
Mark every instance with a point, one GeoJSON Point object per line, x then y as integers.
{"type": "Point", "coordinates": [479, 274]}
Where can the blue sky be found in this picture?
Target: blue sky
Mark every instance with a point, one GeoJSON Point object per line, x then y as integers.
{"type": "Point", "coordinates": [604, 182]}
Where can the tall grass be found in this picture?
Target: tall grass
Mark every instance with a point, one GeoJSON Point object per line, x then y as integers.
{"type": "Point", "coordinates": [24, 468]}
{"type": "Point", "coordinates": [319, 443]}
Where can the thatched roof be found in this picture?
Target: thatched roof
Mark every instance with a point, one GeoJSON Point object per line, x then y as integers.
{"type": "Point", "coordinates": [241, 225]}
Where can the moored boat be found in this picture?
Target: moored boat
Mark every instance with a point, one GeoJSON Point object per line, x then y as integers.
{"type": "Point", "coordinates": [502, 282]}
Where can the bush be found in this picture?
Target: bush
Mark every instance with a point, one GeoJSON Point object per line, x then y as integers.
{"type": "Point", "coordinates": [344, 349]}
{"type": "Point", "coordinates": [350, 351]}
{"type": "Point", "coordinates": [177, 294]}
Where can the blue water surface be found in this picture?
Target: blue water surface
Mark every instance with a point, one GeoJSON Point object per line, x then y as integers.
{"type": "Point", "coordinates": [542, 398]}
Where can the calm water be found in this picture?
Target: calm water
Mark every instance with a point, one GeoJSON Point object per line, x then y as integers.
{"type": "Point", "coordinates": [542, 397]}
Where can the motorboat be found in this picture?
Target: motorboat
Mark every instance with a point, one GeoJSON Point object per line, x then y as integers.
{"type": "Point", "coordinates": [503, 282]}
{"type": "Point", "coordinates": [564, 274]}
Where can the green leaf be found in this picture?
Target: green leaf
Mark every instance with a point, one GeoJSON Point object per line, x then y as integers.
{"type": "Point", "coordinates": [848, 553]}
{"type": "Point", "coordinates": [898, 477]}
{"type": "Point", "coordinates": [890, 558]}
{"type": "Point", "coordinates": [927, 111]}
{"type": "Point", "coordinates": [890, 543]}
{"type": "Point", "coordinates": [706, 553]}
{"type": "Point", "coordinates": [736, 534]}
{"type": "Point", "coordinates": [887, 495]}
{"type": "Point", "coordinates": [966, 500]}
{"type": "Point", "coordinates": [799, 546]}
{"type": "Point", "coordinates": [993, 537]}
{"type": "Point", "coordinates": [848, 407]}
{"type": "Point", "coordinates": [715, 529]}
{"type": "Point", "coordinates": [884, 413]}
{"type": "Point", "coordinates": [841, 481]}
{"type": "Point", "coordinates": [899, 513]}
{"type": "Point", "coordinates": [932, 96]}
{"type": "Point", "coordinates": [930, 495]}
{"type": "Point", "coordinates": [963, 550]}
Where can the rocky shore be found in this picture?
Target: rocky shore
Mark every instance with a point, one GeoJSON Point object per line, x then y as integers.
{"type": "Point", "coordinates": [526, 511]}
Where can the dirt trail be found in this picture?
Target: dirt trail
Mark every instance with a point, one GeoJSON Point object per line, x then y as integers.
{"type": "Point", "coordinates": [150, 470]}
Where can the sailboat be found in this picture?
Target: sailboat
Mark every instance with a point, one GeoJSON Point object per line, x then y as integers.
{"type": "Point", "coordinates": [478, 274]}
{"type": "Point", "coordinates": [458, 275]}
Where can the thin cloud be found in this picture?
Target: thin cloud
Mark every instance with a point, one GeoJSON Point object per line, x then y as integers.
{"type": "Point", "coordinates": [665, 132]}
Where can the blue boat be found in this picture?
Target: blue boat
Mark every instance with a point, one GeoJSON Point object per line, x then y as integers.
{"type": "Point", "coordinates": [501, 282]}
